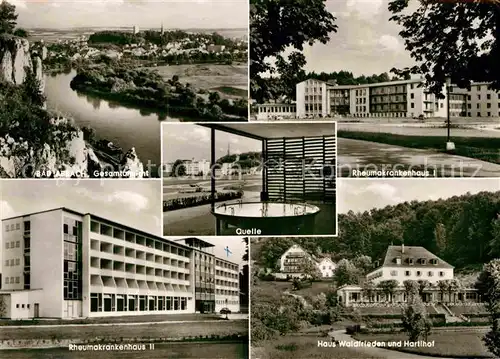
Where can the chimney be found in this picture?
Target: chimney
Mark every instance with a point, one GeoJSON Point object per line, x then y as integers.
{"type": "Point", "coordinates": [402, 248]}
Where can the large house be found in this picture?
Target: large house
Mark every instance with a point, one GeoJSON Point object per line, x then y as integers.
{"type": "Point", "coordinates": [290, 263]}
{"type": "Point", "coordinates": [402, 263]}
{"type": "Point", "coordinates": [62, 263]}
{"type": "Point", "coordinates": [403, 99]}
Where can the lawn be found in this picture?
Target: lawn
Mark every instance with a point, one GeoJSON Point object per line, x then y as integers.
{"type": "Point", "coordinates": [484, 149]}
{"type": "Point", "coordinates": [229, 80]}
{"type": "Point", "coordinates": [301, 346]}
{"type": "Point", "coordinates": [465, 343]}
{"type": "Point", "coordinates": [161, 351]}
{"type": "Point", "coordinates": [110, 320]}
{"type": "Point", "coordinates": [160, 330]}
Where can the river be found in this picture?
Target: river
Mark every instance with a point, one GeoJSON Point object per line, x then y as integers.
{"type": "Point", "coordinates": [123, 126]}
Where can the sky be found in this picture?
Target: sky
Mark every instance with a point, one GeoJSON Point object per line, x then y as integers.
{"type": "Point", "coordinates": [188, 141]}
{"type": "Point", "coordinates": [131, 202]}
{"type": "Point", "coordinates": [207, 14]}
{"type": "Point", "coordinates": [366, 42]}
{"type": "Point", "coordinates": [235, 245]}
{"type": "Point", "coordinates": [360, 195]}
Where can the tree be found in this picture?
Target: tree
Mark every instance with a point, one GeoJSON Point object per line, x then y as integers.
{"type": "Point", "coordinates": [443, 286]}
{"type": "Point", "coordinates": [178, 169]}
{"type": "Point", "coordinates": [280, 24]}
{"type": "Point", "coordinates": [444, 42]}
{"type": "Point", "coordinates": [488, 286]}
{"type": "Point", "coordinates": [369, 289]}
{"type": "Point", "coordinates": [33, 88]}
{"type": "Point", "coordinates": [214, 98]}
{"type": "Point", "coordinates": [411, 287]}
{"type": "Point", "coordinates": [21, 33]}
{"type": "Point", "coordinates": [363, 264]}
{"type": "Point", "coordinates": [309, 269]}
{"type": "Point", "coordinates": [388, 287]}
{"type": "Point", "coordinates": [8, 18]}
{"type": "Point", "coordinates": [415, 320]}
{"type": "Point", "coordinates": [345, 273]}
{"type": "Point", "coordinates": [423, 284]}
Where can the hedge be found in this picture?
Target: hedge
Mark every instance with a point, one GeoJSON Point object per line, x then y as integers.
{"type": "Point", "coordinates": [179, 203]}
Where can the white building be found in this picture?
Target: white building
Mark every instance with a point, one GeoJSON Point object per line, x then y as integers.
{"type": "Point", "coordinates": [326, 267]}
{"type": "Point", "coordinates": [195, 168]}
{"type": "Point", "coordinates": [64, 264]}
{"type": "Point", "coordinates": [410, 263]}
{"type": "Point", "coordinates": [402, 263]}
{"type": "Point", "coordinates": [135, 29]}
{"type": "Point", "coordinates": [403, 98]}
{"type": "Point", "coordinates": [227, 286]}
{"type": "Point", "coordinates": [400, 99]}
{"type": "Point", "coordinates": [290, 263]}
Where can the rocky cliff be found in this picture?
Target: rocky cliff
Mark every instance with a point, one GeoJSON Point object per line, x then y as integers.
{"type": "Point", "coordinates": [68, 152]}
{"type": "Point", "coordinates": [16, 58]}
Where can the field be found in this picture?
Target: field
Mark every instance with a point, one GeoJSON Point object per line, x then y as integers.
{"type": "Point", "coordinates": [302, 345]}
{"type": "Point", "coordinates": [160, 330]}
{"type": "Point", "coordinates": [161, 351]}
{"type": "Point", "coordinates": [464, 343]}
{"type": "Point", "coordinates": [231, 81]}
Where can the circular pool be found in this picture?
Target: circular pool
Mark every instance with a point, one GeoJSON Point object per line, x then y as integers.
{"type": "Point", "coordinates": [268, 218]}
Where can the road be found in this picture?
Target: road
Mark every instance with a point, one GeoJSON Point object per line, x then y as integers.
{"type": "Point", "coordinates": [365, 155]}
{"type": "Point", "coordinates": [340, 335]}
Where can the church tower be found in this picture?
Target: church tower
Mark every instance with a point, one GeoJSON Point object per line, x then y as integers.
{"type": "Point", "coordinates": [162, 29]}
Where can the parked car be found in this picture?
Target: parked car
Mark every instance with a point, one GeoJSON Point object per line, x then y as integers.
{"type": "Point", "coordinates": [225, 311]}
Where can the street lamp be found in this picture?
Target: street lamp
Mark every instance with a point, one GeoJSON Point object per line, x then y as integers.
{"type": "Point", "coordinates": [450, 146]}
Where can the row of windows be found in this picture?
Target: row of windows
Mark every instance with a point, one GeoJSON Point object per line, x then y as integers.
{"type": "Point", "coordinates": [12, 244]}
{"type": "Point", "coordinates": [478, 105]}
{"type": "Point", "coordinates": [361, 100]}
{"type": "Point", "coordinates": [12, 262]}
{"type": "Point", "coordinates": [478, 114]}
{"type": "Point", "coordinates": [12, 280]}
{"type": "Point", "coordinates": [418, 273]}
{"type": "Point", "coordinates": [100, 302]}
{"type": "Point", "coordinates": [12, 227]}
{"type": "Point", "coordinates": [227, 302]}
{"type": "Point", "coordinates": [227, 292]}
{"type": "Point", "coordinates": [277, 109]}
{"type": "Point", "coordinates": [117, 233]}
{"type": "Point", "coordinates": [227, 265]}
{"type": "Point", "coordinates": [22, 306]}
{"type": "Point", "coordinates": [488, 97]}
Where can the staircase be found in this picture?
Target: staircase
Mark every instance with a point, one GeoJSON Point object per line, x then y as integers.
{"type": "Point", "coordinates": [449, 316]}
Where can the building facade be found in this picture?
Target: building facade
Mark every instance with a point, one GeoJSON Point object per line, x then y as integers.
{"type": "Point", "coordinates": [291, 263]}
{"type": "Point", "coordinates": [399, 99]}
{"type": "Point", "coordinates": [402, 263]}
{"type": "Point", "coordinates": [65, 264]}
{"type": "Point", "coordinates": [405, 98]}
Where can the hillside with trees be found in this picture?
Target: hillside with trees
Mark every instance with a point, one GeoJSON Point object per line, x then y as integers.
{"type": "Point", "coordinates": [462, 230]}
{"type": "Point", "coordinates": [245, 160]}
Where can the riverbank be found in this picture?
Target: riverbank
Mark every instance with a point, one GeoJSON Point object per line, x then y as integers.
{"type": "Point", "coordinates": [484, 149]}
{"type": "Point", "coordinates": [146, 89]}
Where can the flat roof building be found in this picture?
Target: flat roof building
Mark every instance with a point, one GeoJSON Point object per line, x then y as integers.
{"type": "Point", "coordinates": [64, 264]}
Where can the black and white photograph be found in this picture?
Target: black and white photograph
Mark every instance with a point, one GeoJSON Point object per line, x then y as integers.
{"type": "Point", "coordinates": [413, 274]}
{"type": "Point", "coordinates": [86, 84]}
{"type": "Point", "coordinates": [85, 271]}
{"type": "Point", "coordinates": [414, 93]}
{"type": "Point", "coordinates": [256, 179]}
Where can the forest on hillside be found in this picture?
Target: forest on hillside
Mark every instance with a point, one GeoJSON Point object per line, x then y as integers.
{"type": "Point", "coordinates": [462, 230]}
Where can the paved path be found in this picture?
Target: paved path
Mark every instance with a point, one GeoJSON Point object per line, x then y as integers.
{"type": "Point", "coordinates": [340, 335]}
{"type": "Point", "coordinates": [365, 155]}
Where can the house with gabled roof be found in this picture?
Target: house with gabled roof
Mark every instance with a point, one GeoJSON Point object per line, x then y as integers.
{"type": "Point", "coordinates": [407, 263]}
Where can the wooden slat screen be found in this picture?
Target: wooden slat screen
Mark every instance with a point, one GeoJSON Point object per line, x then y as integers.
{"type": "Point", "coordinates": [300, 169]}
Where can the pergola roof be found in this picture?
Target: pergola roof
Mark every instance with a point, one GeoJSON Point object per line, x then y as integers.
{"type": "Point", "coordinates": [268, 130]}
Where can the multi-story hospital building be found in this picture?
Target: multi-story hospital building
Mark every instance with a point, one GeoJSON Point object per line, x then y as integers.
{"type": "Point", "coordinates": [403, 99]}
{"type": "Point", "coordinates": [64, 264]}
